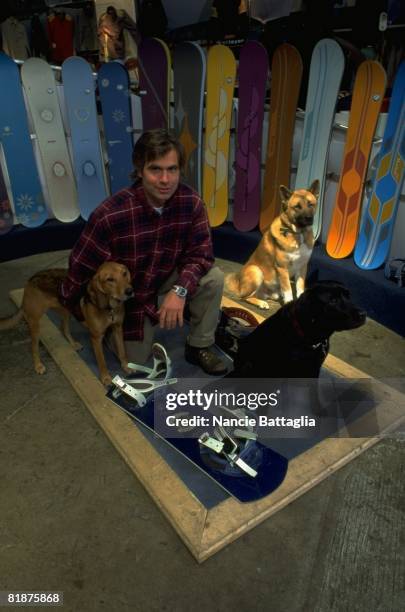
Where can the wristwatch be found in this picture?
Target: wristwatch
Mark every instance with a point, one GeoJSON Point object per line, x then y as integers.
{"type": "Point", "coordinates": [180, 291]}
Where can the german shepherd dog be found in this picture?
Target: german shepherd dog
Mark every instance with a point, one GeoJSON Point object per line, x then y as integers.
{"type": "Point", "coordinates": [294, 342]}
{"type": "Point", "coordinates": [102, 307]}
{"type": "Point", "coordinates": [282, 254]}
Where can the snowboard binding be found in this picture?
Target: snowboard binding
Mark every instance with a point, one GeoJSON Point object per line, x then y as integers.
{"type": "Point", "coordinates": [140, 389]}
{"type": "Point", "coordinates": [233, 453]}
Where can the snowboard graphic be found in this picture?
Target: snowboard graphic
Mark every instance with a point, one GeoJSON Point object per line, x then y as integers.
{"type": "Point", "coordinates": [79, 91]}
{"type": "Point", "coordinates": [286, 74]}
{"type": "Point", "coordinates": [189, 66]}
{"type": "Point", "coordinates": [6, 212]}
{"type": "Point", "coordinates": [326, 70]}
{"type": "Point", "coordinates": [113, 84]}
{"type": "Point", "coordinates": [378, 220]}
{"type": "Point", "coordinates": [26, 191]}
{"type": "Point", "coordinates": [271, 466]}
{"type": "Point", "coordinates": [221, 72]}
{"type": "Point", "coordinates": [40, 87]}
{"type": "Point", "coordinates": [253, 70]}
{"type": "Point", "coordinates": [154, 65]}
{"type": "Point", "coordinates": [368, 94]}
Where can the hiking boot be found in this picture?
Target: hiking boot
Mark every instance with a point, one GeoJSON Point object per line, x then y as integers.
{"type": "Point", "coordinates": [206, 358]}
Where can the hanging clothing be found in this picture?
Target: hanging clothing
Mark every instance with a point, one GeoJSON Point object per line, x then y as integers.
{"type": "Point", "coordinates": [88, 40]}
{"type": "Point", "coordinates": [39, 39]}
{"type": "Point", "coordinates": [60, 32]}
{"type": "Point", "coordinates": [110, 36]}
{"type": "Point", "coordinates": [15, 39]}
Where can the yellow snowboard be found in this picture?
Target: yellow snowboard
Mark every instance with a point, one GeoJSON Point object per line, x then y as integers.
{"type": "Point", "coordinates": [221, 72]}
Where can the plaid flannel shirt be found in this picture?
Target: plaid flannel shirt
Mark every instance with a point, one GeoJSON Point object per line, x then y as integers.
{"type": "Point", "coordinates": [125, 228]}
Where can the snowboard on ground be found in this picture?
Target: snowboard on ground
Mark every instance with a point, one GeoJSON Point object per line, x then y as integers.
{"type": "Point", "coordinates": [40, 87]}
{"type": "Point", "coordinates": [325, 75]}
{"type": "Point", "coordinates": [271, 467]}
{"type": "Point", "coordinates": [377, 224]}
{"type": "Point", "coordinates": [113, 86]}
{"type": "Point", "coordinates": [6, 212]}
{"type": "Point", "coordinates": [189, 68]}
{"type": "Point", "coordinates": [368, 94]}
{"type": "Point", "coordinates": [26, 190]}
{"type": "Point", "coordinates": [221, 72]}
{"type": "Point", "coordinates": [253, 71]}
{"type": "Point", "coordinates": [154, 79]}
{"type": "Point", "coordinates": [286, 74]}
{"type": "Point", "coordinates": [79, 92]}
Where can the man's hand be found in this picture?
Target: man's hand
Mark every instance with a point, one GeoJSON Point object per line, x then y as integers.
{"type": "Point", "coordinates": [171, 311]}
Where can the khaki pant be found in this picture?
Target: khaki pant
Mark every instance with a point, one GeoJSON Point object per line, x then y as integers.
{"type": "Point", "coordinates": [204, 307]}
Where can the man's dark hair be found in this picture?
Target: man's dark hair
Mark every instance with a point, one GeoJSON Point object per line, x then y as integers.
{"type": "Point", "coordinates": [152, 145]}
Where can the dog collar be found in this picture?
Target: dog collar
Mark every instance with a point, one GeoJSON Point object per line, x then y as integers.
{"type": "Point", "coordinates": [296, 324]}
{"type": "Point", "coordinates": [86, 300]}
{"type": "Point", "coordinates": [286, 230]}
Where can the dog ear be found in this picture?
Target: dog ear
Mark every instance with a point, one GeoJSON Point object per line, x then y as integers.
{"type": "Point", "coordinates": [285, 195]}
{"type": "Point", "coordinates": [314, 188]}
{"type": "Point", "coordinates": [95, 291]}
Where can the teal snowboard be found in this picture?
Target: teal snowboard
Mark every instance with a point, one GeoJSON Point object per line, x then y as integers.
{"type": "Point", "coordinates": [377, 226]}
{"type": "Point", "coordinates": [26, 190]}
{"type": "Point", "coordinates": [79, 92]}
{"type": "Point", "coordinates": [326, 71]}
{"type": "Point", "coordinates": [189, 66]}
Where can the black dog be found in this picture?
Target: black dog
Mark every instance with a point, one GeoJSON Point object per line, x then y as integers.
{"type": "Point", "coordinates": [294, 342]}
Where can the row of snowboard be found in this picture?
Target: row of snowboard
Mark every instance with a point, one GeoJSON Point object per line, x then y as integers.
{"type": "Point", "coordinates": [50, 175]}
{"type": "Point", "coordinates": [79, 187]}
{"type": "Point", "coordinates": [256, 199]}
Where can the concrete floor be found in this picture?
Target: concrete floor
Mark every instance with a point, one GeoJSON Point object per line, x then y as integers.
{"type": "Point", "coordinates": [74, 518]}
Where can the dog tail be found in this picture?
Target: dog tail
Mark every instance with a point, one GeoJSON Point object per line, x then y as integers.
{"type": "Point", "coordinates": [232, 283]}
{"type": "Point", "coordinates": [11, 322]}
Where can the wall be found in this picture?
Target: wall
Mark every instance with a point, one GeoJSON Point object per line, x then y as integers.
{"type": "Point", "coordinates": [184, 12]}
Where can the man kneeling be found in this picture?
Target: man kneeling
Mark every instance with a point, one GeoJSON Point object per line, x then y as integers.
{"type": "Point", "coordinates": [158, 227]}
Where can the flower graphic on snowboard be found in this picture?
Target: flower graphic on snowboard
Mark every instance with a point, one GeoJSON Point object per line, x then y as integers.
{"type": "Point", "coordinates": [118, 115]}
{"type": "Point", "coordinates": [25, 202]}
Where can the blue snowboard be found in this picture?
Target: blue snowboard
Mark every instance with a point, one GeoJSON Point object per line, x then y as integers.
{"type": "Point", "coordinates": [28, 199]}
{"type": "Point", "coordinates": [271, 466]}
{"type": "Point", "coordinates": [113, 84]}
{"type": "Point", "coordinates": [377, 226]}
{"type": "Point", "coordinates": [79, 93]}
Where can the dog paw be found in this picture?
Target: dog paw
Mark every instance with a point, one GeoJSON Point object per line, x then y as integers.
{"type": "Point", "coordinates": [106, 380]}
{"type": "Point", "coordinates": [77, 346]}
{"type": "Point", "coordinates": [287, 297]}
{"type": "Point", "coordinates": [40, 368]}
{"type": "Point", "coordinates": [263, 304]}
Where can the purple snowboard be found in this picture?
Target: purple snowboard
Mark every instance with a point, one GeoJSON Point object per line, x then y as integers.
{"type": "Point", "coordinates": [253, 70]}
{"type": "Point", "coordinates": [154, 75]}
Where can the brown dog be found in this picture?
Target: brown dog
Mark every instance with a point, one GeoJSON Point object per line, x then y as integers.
{"type": "Point", "coordinates": [282, 254]}
{"type": "Point", "coordinates": [102, 307]}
